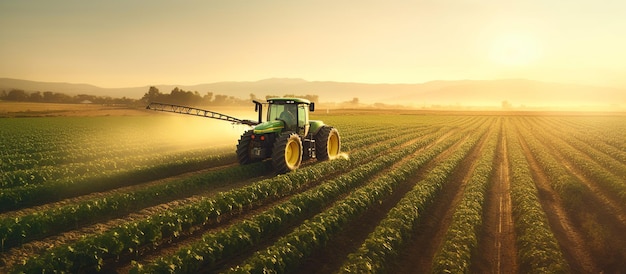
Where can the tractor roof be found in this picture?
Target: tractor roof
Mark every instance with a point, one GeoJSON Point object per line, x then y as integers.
{"type": "Point", "coordinates": [288, 101]}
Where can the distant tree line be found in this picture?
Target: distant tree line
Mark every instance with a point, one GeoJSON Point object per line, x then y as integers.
{"type": "Point", "coordinates": [181, 97]}
{"type": "Point", "coordinates": [18, 95]}
{"type": "Point", "coordinates": [176, 96]}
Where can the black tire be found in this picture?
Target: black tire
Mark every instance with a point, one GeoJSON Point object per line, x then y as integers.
{"type": "Point", "coordinates": [244, 148]}
{"type": "Point", "coordinates": [287, 152]}
{"type": "Point", "coordinates": [327, 143]}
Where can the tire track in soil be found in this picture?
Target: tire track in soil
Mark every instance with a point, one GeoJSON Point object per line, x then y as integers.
{"type": "Point", "coordinates": [418, 254]}
{"type": "Point", "coordinates": [574, 247]}
{"type": "Point", "coordinates": [248, 214]}
{"type": "Point", "coordinates": [352, 236]}
{"type": "Point", "coordinates": [497, 251]}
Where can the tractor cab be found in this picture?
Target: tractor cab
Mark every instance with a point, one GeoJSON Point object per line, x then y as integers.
{"type": "Point", "coordinates": [294, 113]}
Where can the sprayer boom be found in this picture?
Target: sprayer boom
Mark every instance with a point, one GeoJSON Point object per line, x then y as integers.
{"type": "Point", "coordinates": [198, 112]}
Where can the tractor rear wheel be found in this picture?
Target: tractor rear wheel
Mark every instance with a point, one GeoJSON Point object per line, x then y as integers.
{"type": "Point", "coordinates": [287, 152]}
{"type": "Point", "coordinates": [244, 148]}
{"type": "Point", "coordinates": [327, 143]}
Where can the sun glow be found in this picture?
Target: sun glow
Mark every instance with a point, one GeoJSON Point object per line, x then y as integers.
{"type": "Point", "coordinates": [514, 50]}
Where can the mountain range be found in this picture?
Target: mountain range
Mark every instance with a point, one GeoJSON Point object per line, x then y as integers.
{"type": "Point", "coordinates": [492, 93]}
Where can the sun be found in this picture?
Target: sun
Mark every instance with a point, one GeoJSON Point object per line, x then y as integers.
{"type": "Point", "coordinates": [514, 50]}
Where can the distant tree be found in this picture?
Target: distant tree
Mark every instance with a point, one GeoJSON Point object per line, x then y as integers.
{"type": "Point", "coordinates": [35, 97]}
{"type": "Point", "coordinates": [153, 95]}
{"type": "Point", "coordinates": [220, 100]}
{"type": "Point", "coordinates": [3, 94]}
{"type": "Point", "coordinates": [252, 97]}
{"type": "Point", "coordinates": [48, 96]}
{"type": "Point", "coordinates": [60, 98]}
{"type": "Point", "coordinates": [207, 99]}
{"type": "Point", "coordinates": [506, 104]}
{"type": "Point", "coordinates": [17, 95]}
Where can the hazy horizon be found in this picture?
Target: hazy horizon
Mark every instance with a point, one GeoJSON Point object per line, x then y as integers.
{"type": "Point", "coordinates": [124, 44]}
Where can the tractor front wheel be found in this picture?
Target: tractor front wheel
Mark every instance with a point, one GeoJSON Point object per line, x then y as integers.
{"type": "Point", "coordinates": [287, 152]}
{"type": "Point", "coordinates": [327, 143]}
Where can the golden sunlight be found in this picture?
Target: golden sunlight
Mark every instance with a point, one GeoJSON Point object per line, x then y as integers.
{"type": "Point", "coordinates": [514, 50]}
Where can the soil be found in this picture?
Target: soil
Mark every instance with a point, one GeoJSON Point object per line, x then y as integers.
{"type": "Point", "coordinates": [497, 242]}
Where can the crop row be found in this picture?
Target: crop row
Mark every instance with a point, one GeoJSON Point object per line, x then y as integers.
{"type": "Point", "coordinates": [610, 130]}
{"type": "Point", "coordinates": [109, 167]}
{"type": "Point", "coordinates": [593, 144]}
{"type": "Point", "coordinates": [538, 249]}
{"type": "Point", "coordinates": [216, 246]}
{"type": "Point", "coordinates": [572, 192]}
{"type": "Point", "coordinates": [608, 156]}
{"type": "Point", "coordinates": [17, 230]}
{"type": "Point", "coordinates": [461, 239]}
{"type": "Point", "coordinates": [398, 226]}
{"type": "Point", "coordinates": [576, 198]}
{"type": "Point", "coordinates": [288, 251]}
{"type": "Point", "coordinates": [29, 195]}
{"type": "Point", "coordinates": [594, 140]}
{"type": "Point", "coordinates": [146, 233]}
{"type": "Point", "coordinates": [29, 170]}
{"type": "Point", "coordinates": [83, 172]}
{"type": "Point", "coordinates": [604, 178]}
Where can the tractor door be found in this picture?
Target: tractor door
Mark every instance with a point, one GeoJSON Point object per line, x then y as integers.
{"type": "Point", "coordinates": [303, 120]}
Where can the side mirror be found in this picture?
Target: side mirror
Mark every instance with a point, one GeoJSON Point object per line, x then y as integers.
{"type": "Point", "coordinates": [258, 107]}
{"type": "Point", "coordinates": [312, 107]}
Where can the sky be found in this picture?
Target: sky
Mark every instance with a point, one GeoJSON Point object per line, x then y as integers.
{"type": "Point", "coordinates": [151, 42]}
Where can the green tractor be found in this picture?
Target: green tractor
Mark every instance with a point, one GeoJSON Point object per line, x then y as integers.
{"type": "Point", "coordinates": [288, 137]}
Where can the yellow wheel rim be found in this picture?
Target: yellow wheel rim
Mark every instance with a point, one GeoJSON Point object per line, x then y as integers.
{"type": "Point", "coordinates": [292, 154]}
{"type": "Point", "coordinates": [333, 145]}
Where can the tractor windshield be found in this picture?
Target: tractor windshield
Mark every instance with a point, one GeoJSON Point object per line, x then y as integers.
{"type": "Point", "coordinates": [284, 112]}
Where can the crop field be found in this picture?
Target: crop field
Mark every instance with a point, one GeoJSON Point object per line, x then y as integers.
{"type": "Point", "coordinates": [415, 192]}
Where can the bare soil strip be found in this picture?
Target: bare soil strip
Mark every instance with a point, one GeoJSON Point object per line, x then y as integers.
{"type": "Point", "coordinates": [496, 248]}
{"type": "Point", "coordinates": [574, 247]}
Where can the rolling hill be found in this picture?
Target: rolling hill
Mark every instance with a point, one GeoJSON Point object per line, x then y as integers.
{"type": "Point", "coordinates": [460, 93]}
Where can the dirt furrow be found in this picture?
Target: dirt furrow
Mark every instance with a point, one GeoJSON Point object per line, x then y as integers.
{"type": "Point", "coordinates": [496, 248]}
